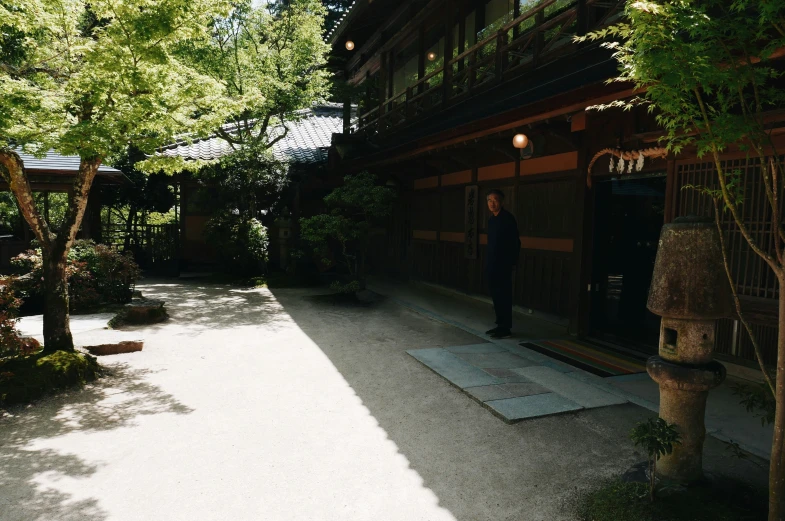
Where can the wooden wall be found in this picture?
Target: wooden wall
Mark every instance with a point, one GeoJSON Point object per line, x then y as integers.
{"type": "Point", "coordinates": [755, 282]}
{"type": "Point", "coordinates": [540, 193]}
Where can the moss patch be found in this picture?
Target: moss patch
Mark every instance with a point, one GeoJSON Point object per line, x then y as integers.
{"type": "Point", "coordinates": [26, 378]}
{"type": "Point", "coordinates": [719, 500]}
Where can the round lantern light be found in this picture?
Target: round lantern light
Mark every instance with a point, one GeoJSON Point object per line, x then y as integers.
{"type": "Point", "coordinates": [520, 141]}
{"type": "Point", "coordinates": [431, 56]}
{"type": "Point", "coordinates": [349, 45]}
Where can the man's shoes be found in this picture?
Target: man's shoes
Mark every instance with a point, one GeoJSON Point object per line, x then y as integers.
{"type": "Point", "coordinates": [492, 331]}
{"type": "Point", "coordinates": [500, 333]}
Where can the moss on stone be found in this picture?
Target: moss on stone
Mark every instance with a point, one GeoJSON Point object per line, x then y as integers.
{"type": "Point", "coordinates": [26, 378]}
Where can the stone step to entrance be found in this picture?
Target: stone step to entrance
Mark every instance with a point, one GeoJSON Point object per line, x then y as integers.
{"type": "Point", "coordinates": [511, 385]}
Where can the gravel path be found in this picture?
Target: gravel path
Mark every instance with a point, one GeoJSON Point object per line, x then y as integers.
{"type": "Point", "coordinates": [275, 405]}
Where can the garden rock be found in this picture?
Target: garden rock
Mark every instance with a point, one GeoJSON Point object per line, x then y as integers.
{"type": "Point", "coordinates": [107, 342]}
{"type": "Point", "coordinates": [141, 311]}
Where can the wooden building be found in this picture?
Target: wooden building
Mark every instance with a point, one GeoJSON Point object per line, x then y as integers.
{"type": "Point", "coordinates": [304, 150]}
{"type": "Point", "coordinates": [446, 84]}
{"type": "Point", "coordinates": [55, 174]}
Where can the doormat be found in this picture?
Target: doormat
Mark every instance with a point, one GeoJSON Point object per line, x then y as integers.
{"type": "Point", "coordinates": [588, 357]}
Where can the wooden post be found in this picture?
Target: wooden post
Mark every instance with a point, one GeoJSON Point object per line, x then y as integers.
{"type": "Point", "coordinates": [447, 68]}
{"type": "Point", "coordinates": [499, 58]}
{"type": "Point", "coordinates": [538, 40]}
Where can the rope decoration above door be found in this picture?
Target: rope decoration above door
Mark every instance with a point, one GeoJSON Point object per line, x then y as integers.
{"type": "Point", "coordinates": [627, 159]}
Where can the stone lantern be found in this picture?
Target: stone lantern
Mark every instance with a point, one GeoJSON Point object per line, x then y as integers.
{"type": "Point", "coordinates": [690, 290]}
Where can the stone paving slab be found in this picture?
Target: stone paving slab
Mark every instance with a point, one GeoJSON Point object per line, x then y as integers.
{"type": "Point", "coordinates": [487, 347]}
{"type": "Point", "coordinates": [486, 393]}
{"type": "Point", "coordinates": [582, 393]}
{"type": "Point", "coordinates": [524, 389]}
{"type": "Point", "coordinates": [449, 366]}
{"type": "Point", "coordinates": [495, 360]}
{"type": "Point", "coordinates": [513, 409]}
{"type": "Point", "coordinates": [501, 373]}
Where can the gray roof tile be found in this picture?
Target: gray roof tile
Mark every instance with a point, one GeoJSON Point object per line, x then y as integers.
{"type": "Point", "coordinates": [54, 163]}
{"type": "Point", "coordinates": [306, 143]}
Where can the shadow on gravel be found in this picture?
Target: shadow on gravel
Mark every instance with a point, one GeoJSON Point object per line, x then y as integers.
{"type": "Point", "coordinates": [476, 465]}
{"type": "Point", "coordinates": [229, 306]}
{"type": "Point", "coordinates": [95, 408]}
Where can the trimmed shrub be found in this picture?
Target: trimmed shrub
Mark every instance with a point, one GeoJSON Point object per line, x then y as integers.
{"type": "Point", "coordinates": [97, 275]}
{"type": "Point", "coordinates": [241, 246]}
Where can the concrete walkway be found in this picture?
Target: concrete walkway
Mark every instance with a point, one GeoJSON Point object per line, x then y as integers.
{"type": "Point", "coordinates": [281, 405]}
{"type": "Point", "coordinates": [726, 419]}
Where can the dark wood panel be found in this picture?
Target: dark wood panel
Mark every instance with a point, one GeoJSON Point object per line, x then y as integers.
{"type": "Point", "coordinates": [425, 210]}
{"type": "Point", "coordinates": [452, 209]}
{"type": "Point", "coordinates": [541, 282]}
{"type": "Point", "coordinates": [546, 209]}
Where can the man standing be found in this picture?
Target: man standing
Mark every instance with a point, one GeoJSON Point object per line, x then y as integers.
{"type": "Point", "coordinates": [504, 246]}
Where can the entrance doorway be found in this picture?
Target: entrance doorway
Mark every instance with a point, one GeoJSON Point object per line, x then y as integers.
{"type": "Point", "coordinates": [629, 214]}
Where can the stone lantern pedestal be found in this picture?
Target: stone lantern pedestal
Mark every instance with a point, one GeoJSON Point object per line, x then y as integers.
{"type": "Point", "coordinates": [690, 291]}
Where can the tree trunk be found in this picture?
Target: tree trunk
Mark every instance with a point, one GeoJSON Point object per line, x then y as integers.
{"type": "Point", "coordinates": [777, 465]}
{"type": "Point", "coordinates": [57, 331]}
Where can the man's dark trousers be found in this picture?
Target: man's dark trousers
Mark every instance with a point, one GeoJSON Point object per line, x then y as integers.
{"type": "Point", "coordinates": [500, 284]}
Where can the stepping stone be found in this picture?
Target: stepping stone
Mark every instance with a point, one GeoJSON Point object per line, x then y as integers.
{"type": "Point", "coordinates": [582, 393]}
{"type": "Point", "coordinates": [449, 366]}
{"type": "Point", "coordinates": [512, 409]}
{"type": "Point", "coordinates": [103, 342]}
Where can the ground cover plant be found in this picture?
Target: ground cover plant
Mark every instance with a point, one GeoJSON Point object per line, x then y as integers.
{"type": "Point", "coordinates": [24, 378]}
{"type": "Point", "coordinates": [629, 501]}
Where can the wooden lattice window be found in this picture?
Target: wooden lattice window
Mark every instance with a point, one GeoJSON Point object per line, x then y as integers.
{"type": "Point", "coordinates": [753, 276]}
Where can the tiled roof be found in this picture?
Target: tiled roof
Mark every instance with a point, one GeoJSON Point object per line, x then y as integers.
{"type": "Point", "coordinates": [54, 163]}
{"type": "Point", "coordinates": [307, 141]}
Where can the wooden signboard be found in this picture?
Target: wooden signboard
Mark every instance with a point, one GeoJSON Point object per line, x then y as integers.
{"type": "Point", "coordinates": [470, 224]}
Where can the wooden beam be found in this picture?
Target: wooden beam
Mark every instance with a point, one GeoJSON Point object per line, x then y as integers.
{"type": "Point", "coordinates": [559, 105]}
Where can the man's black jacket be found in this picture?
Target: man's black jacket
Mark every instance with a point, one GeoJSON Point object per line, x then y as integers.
{"type": "Point", "coordinates": [504, 244]}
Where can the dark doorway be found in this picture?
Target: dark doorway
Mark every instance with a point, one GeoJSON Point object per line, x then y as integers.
{"type": "Point", "coordinates": [628, 217]}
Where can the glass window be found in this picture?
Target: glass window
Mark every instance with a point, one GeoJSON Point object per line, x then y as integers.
{"type": "Point", "coordinates": [497, 13]}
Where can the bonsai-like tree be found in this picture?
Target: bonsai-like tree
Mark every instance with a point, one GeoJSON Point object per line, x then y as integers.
{"type": "Point", "coordinates": [709, 69]}
{"type": "Point", "coordinates": [354, 208]}
{"type": "Point", "coordinates": [90, 78]}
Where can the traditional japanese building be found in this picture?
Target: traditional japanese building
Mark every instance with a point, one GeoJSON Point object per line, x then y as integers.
{"type": "Point", "coordinates": [444, 87]}
{"type": "Point", "coordinates": [55, 174]}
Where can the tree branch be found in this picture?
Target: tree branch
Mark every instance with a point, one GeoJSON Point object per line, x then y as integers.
{"type": "Point", "coordinates": [13, 172]}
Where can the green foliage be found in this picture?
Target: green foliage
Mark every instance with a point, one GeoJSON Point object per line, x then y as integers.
{"type": "Point", "coordinates": [695, 61]}
{"type": "Point", "coordinates": [726, 501]}
{"type": "Point", "coordinates": [10, 219]}
{"type": "Point", "coordinates": [97, 275]}
{"type": "Point", "coordinates": [757, 399]}
{"type": "Point", "coordinates": [241, 245]}
{"type": "Point", "coordinates": [269, 56]}
{"type": "Point", "coordinates": [657, 437]}
{"type": "Point", "coordinates": [88, 78]}
{"type": "Point", "coordinates": [354, 208]}
{"type": "Point", "coordinates": [247, 183]}
{"type": "Point", "coordinates": [26, 378]}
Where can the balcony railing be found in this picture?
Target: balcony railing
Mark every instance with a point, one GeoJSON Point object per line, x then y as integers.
{"type": "Point", "coordinates": [536, 37]}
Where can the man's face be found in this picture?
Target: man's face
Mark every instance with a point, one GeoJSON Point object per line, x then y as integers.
{"type": "Point", "coordinates": [494, 204]}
